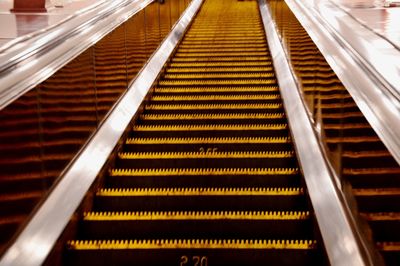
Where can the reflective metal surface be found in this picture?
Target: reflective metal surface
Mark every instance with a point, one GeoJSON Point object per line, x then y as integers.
{"type": "Point", "coordinates": [331, 211]}
{"type": "Point", "coordinates": [367, 64]}
{"type": "Point", "coordinates": [37, 239]}
{"type": "Point", "coordinates": [374, 16]}
{"type": "Point", "coordinates": [32, 61]}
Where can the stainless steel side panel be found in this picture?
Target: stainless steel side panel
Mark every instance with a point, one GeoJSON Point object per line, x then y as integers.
{"type": "Point", "coordinates": [368, 66]}
{"type": "Point", "coordinates": [340, 240]}
{"type": "Point", "coordinates": [32, 61]}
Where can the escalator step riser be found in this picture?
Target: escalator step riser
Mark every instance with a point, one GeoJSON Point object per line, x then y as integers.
{"type": "Point", "coordinates": [358, 144]}
{"type": "Point", "coordinates": [256, 63]}
{"type": "Point", "coordinates": [384, 203]}
{"type": "Point", "coordinates": [378, 161]}
{"type": "Point", "coordinates": [208, 147]}
{"type": "Point", "coordinates": [196, 256]}
{"type": "Point", "coordinates": [226, 181]}
{"type": "Point", "coordinates": [207, 162]}
{"type": "Point", "coordinates": [186, 229]}
{"type": "Point", "coordinates": [154, 122]}
{"type": "Point", "coordinates": [201, 203]}
{"type": "Point", "coordinates": [166, 133]}
{"type": "Point", "coordinates": [386, 230]}
{"type": "Point", "coordinates": [369, 178]}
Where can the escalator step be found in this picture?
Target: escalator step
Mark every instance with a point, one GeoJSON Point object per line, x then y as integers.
{"type": "Point", "coordinates": [208, 173]}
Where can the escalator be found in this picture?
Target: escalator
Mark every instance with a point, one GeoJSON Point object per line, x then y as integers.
{"type": "Point", "coordinates": [366, 164]}
{"type": "Point", "coordinates": [208, 174]}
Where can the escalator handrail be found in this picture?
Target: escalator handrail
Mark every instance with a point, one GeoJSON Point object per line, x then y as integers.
{"type": "Point", "coordinates": [36, 240]}
{"type": "Point", "coordinates": [375, 92]}
{"type": "Point", "coordinates": [343, 244]}
{"type": "Point", "coordinates": [34, 58]}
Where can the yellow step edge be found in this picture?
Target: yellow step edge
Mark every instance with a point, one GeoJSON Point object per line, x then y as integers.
{"type": "Point", "coordinates": [225, 50]}
{"type": "Point", "coordinates": [196, 82]}
{"type": "Point", "coordinates": [196, 28]}
{"type": "Point", "coordinates": [212, 116]}
{"type": "Point", "coordinates": [204, 171]}
{"type": "Point", "coordinates": [319, 82]}
{"type": "Point", "coordinates": [347, 126]}
{"type": "Point", "coordinates": [376, 192]}
{"type": "Point", "coordinates": [209, 127]}
{"type": "Point", "coordinates": [216, 89]}
{"type": "Point", "coordinates": [223, 46]}
{"type": "Point", "coordinates": [196, 215]}
{"type": "Point", "coordinates": [388, 246]}
{"type": "Point", "coordinates": [220, 42]}
{"type": "Point", "coordinates": [225, 33]}
{"type": "Point", "coordinates": [144, 192]}
{"type": "Point", "coordinates": [373, 171]}
{"type": "Point", "coordinates": [381, 216]}
{"type": "Point", "coordinates": [207, 140]}
{"type": "Point", "coordinates": [222, 59]}
{"type": "Point", "coordinates": [354, 139]}
{"type": "Point", "coordinates": [343, 115]}
{"type": "Point", "coordinates": [238, 75]}
{"type": "Point", "coordinates": [214, 97]}
{"type": "Point", "coordinates": [333, 90]}
{"type": "Point", "coordinates": [219, 69]}
{"type": "Point", "coordinates": [366, 154]}
{"type": "Point", "coordinates": [214, 106]}
{"type": "Point", "coordinates": [203, 155]}
{"type": "Point", "coordinates": [219, 54]}
{"type": "Point", "coordinates": [191, 244]}
{"type": "Point", "coordinates": [195, 65]}
{"type": "Point", "coordinates": [228, 38]}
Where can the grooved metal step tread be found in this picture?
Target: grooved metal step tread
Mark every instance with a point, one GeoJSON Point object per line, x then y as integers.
{"type": "Point", "coordinates": [239, 58]}
{"type": "Point", "coordinates": [366, 154]}
{"type": "Point", "coordinates": [260, 140]}
{"type": "Point", "coordinates": [357, 139]}
{"type": "Point", "coordinates": [197, 215]}
{"type": "Point", "coordinates": [192, 244]}
{"type": "Point", "coordinates": [215, 97]}
{"type": "Point", "coordinates": [371, 171]}
{"type": "Point", "coordinates": [227, 69]}
{"type": "Point", "coordinates": [388, 246]}
{"type": "Point", "coordinates": [377, 192]}
{"type": "Point", "coordinates": [222, 41]}
{"type": "Point", "coordinates": [347, 126]}
{"type": "Point", "coordinates": [206, 191]}
{"type": "Point", "coordinates": [196, 82]}
{"type": "Point", "coordinates": [219, 39]}
{"type": "Point", "coordinates": [204, 171]}
{"type": "Point", "coordinates": [211, 116]}
{"type": "Point", "coordinates": [218, 75]}
{"type": "Point", "coordinates": [218, 54]}
{"type": "Point", "coordinates": [222, 51]}
{"type": "Point", "coordinates": [381, 216]}
{"type": "Point", "coordinates": [213, 106]}
{"type": "Point", "coordinates": [203, 155]}
{"type": "Point", "coordinates": [235, 89]}
{"type": "Point", "coordinates": [209, 127]}
{"type": "Point", "coordinates": [233, 63]}
{"type": "Point", "coordinates": [224, 46]}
